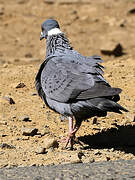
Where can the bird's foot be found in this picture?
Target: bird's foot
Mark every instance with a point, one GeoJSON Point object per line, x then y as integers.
{"type": "Point", "coordinates": [71, 140]}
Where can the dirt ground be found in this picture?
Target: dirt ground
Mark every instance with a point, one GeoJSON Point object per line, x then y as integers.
{"type": "Point", "coordinates": [91, 27]}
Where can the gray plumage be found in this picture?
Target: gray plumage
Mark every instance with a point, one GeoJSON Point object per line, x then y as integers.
{"type": "Point", "coordinates": [72, 84]}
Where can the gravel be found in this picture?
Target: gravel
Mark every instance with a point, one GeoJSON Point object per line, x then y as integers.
{"type": "Point", "coordinates": [111, 170]}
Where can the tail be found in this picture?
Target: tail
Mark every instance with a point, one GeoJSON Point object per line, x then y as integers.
{"type": "Point", "coordinates": [108, 105]}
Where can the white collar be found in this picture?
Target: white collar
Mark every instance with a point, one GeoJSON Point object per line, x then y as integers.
{"type": "Point", "coordinates": [54, 31]}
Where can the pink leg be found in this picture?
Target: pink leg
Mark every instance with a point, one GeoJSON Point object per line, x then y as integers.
{"type": "Point", "coordinates": [69, 140]}
{"type": "Point", "coordinates": [70, 126]}
{"type": "Point", "coordinates": [70, 121]}
{"type": "Point", "coordinates": [71, 136]}
{"type": "Point", "coordinates": [72, 131]}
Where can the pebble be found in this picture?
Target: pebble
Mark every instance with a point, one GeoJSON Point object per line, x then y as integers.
{"type": "Point", "coordinates": [1, 11]}
{"type": "Point", "coordinates": [44, 131]}
{"type": "Point", "coordinates": [6, 146]}
{"type": "Point", "coordinates": [108, 158]}
{"type": "Point", "coordinates": [117, 51]}
{"type": "Point", "coordinates": [3, 135]}
{"type": "Point", "coordinates": [88, 160]}
{"type": "Point", "coordinates": [75, 159]}
{"type": "Point", "coordinates": [80, 155]}
{"type": "Point", "coordinates": [67, 1]}
{"type": "Point", "coordinates": [43, 106]}
{"type": "Point", "coordinates": [131, 11]}
{"type": "Point", "coordinates": [33, 94]}
{"type": "Point", "coordinates": [21, 1]}
{"type": "Point", "coordinates": [9, 99]}
{"type": "Point", "coordinates": [3, 122]}
{"type": "Point", "coordinates": [50, 142]}
{"type": "Point", "coordinates": [130, 117]}
{"type": "Point", "coordinates": [40, 150]}
{"type": "Point", "coordinates": [20, 85]}
{"type": "Point", "coordinates": [2, 152]}
{"type": "Point", "coordinates": [29, 131]}
{"type": "Point", "coordinates": [51, 149]}
{"type": "Point", "coordinates": [97, 152]}
{"type": "Point", "coordinates": [28, 55]}
{"type": "Point", "coordinates": [25, 118]}
{"type": "Point", "coordinates": [25, 138]}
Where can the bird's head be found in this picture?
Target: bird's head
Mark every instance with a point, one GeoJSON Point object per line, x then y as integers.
{"type": "Point", "coordinates": [49, 27]}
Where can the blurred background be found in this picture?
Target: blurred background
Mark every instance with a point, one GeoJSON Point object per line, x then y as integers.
{"type": "Point", "coordinates": [91, 25]}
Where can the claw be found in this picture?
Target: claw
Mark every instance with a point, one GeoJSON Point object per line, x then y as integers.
{"type": "Point", "coordinates": [70, 140]}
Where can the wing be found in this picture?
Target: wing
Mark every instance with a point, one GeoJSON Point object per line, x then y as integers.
{"type": "Point", "coordinates": [67, 77]}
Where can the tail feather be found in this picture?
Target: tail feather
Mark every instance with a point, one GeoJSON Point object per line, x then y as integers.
{"type": "Point", "coordinates": [112, 106]}
{"type": "Point", "coordinates": [108, 105]}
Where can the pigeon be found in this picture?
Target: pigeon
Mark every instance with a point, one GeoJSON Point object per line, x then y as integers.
{"type": "Point", "coordinates": [72, 84]}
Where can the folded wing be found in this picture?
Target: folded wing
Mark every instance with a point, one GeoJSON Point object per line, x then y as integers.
{"type": "Point", "coordinates": [67, 78]}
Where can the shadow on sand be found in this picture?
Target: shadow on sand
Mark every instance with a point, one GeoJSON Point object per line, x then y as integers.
{"type": "Point", "coordinates": [120, 138]}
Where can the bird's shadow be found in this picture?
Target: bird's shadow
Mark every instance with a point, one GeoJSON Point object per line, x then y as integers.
{"type": "Point", "coordinates": [120, 138]}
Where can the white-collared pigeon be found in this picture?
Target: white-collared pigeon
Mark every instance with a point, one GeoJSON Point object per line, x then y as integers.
{"type": "Point", "coordinates": [71, 84]}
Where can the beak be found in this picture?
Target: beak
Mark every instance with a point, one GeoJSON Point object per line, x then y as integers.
{"type": "Point", "coordinates": [42, 36]}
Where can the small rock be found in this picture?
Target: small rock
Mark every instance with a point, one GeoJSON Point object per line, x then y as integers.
{"type": "Point", "coordinates": [88, 160]}
{"type": "Point", "coordinates": [123, 24]}
{"type": "Point", "coordinates": [3, 135]}
{"type": "Point", "coordinates": [130, 117]}
{"type": "Point", "coordinates": [2, 62]}
{"type": "Point", "coordinates": [80, 155]}
{"type": "Point", "coordinates": [33, 60]}
{"type": "Point", "coordinates": [16, 60]}
{"type": "Point", "coordinates": [117, 51]}
{"type": "Point", "coordinates": [1, 11]}
{"type": "Point", "coordinates": [108, 158]}
{"type": "Point", "coordinates": [43, 106]}
{"type": "Point", "coordinates": [50, 142]}
{"type": "Point", "coordinates": [2, 152]}
{"type": "Point", "coordinates": [34, 94]}
{"type": "Point", "coordinates": [25, 138]}
{"type": "Point", "coordinates": [28, 55]}
{"type": "Point", "coordinates": [97, 152]}
{"type": "Point", "coordinates": [75, 159]}
{"type": "Point", "coordinates": [9, 99]}
{"type": "Point", "coordinates": [40, 150]}
{"type": "Point", "coordinates": [21, 1]}
{"type": "Point", "coordinates": [29, 131]}
{"type": "Point", "coordinates": [25, 118]}
{"type": "Point", "coordinates": [20, 85]}
{"type": "Point", "coordinates": [67, 1]}
{"type": "Point", "coordinates": [131, 11]}
{"type": "Point", "coordinates": [49, 1]}
{"type": "Point", "coordinates": [112, 150]}
{"type": "Point", "coordinates": [44, 131]}
{"type": "Point", "coordinates": [6, 146]}
{"type": "Point", "coordinates": [91, 160]}
{"type": "Point", "coordinates": [3, 122]}
{"type": "Point", "coordinates": [51, 149]}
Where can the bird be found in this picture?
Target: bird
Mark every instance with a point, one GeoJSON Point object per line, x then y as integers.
{"type": "Point", "coordinates": [72, 84]}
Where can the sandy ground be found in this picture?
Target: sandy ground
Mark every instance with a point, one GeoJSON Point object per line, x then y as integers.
{"type": "Point", "coordinates": [91, 27]}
